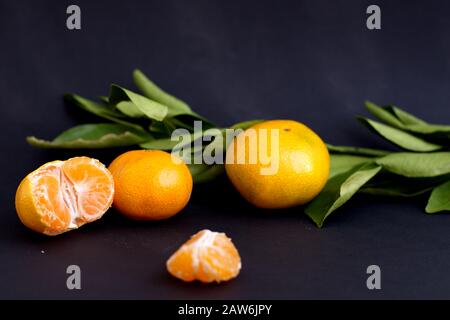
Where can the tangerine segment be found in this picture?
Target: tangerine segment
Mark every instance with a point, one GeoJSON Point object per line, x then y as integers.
{"type": "Point", "coordinates": [93, 186]}
{"type": "Point", "coordinates": [63, 195]}
{"type": "Point", "coordinates": [207, 256]}
{"type": "Point", "coordinates": [39, 200]}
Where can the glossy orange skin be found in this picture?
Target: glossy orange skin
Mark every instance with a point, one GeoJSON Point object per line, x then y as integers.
{"type": "Point", "coordinates": [150, 185]}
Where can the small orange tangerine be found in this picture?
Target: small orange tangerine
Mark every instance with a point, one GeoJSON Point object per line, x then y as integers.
{"type": "Point", "coordinates": [150, 184]}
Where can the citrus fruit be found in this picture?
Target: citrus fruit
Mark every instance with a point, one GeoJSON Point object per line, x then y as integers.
{"type": "Point", "coordinates": [297, 171]}
{"type": "Point", "coordinates": [150, 185]}
{"type": "Point", "coordinates": [63, 195]}
{"type": "Point", "coordinates": [207, 256]}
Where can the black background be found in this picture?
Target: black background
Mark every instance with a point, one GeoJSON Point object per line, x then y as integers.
{"type": "Point", "coordinates": [312, 61]}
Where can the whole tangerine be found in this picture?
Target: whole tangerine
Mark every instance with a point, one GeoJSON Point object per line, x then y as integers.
{"type": "Point", "coordinates": [150, 184]}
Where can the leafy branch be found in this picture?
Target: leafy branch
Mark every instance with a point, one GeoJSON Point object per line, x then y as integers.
{"type": "Point", "coordinates": [147, 119]}
{"type": "Point", "coordinates": [424, 167]}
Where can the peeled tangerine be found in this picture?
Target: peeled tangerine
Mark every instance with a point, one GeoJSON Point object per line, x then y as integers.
{"type": "Point", "coordinates": [208, 256]}
{"type": "Point", "coordinates": [63, 195]}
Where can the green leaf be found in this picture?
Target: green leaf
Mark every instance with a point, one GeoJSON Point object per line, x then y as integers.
{"type": "Point", "coordinates": [384, 115]}
{"type": "Point", "coordinates": [416, 125]}
{"type": "Point", "coordinates": [338, 191]}
{"type": "Point", "coordinates": [169, 143]}
{"type": "Point", "coordinates": [147, 108]}
{"type": "Point", "coordinates": [159, 144]}
{"type": "Point", "coordinates": [152, 91]}
{"type": "Point", "coordinates": [187, 121]}
{"type": "Point", "coordinates": [92, 107]}
{"type": "Point", "coordinates": [403, 120]}
{"type": "Point", "coordinates": [158, 127]}
{"type": "Point", "coordinates": [357, 151]}
{"type": "Point", "coordinates": [100, 110]}
{"type": "Point", "coordinates": [342, 162]}
{"type": "Point", "coordinates": [405, 117]}
{"type": "Point", "coordinates": [164, 128]}
{"type": "Point", "coordinates": [182, 122]}
{"type": "Point", "coordinates": [388, 184]}
{"type": "Point", "coordinates": [101, 135]}
{"type": "Point", "coordinates": [400, 138]}
{"type": "Point", "coordinates": [429, 128]}
{"type": "Point", "coordinates": [104, 99]}
{"type": "Point", "coordinates": [405, 191]}
{"type": "Point", "coordinates": [416, 165]}
{"type": "Point", "coordinates": [176, 107]}
{"type": "Point", "coordinates": [203, 173]}
{"type": "Point", "coordinates": [129, 109]}
{"type": "Point", "coordinates": [439, 199]}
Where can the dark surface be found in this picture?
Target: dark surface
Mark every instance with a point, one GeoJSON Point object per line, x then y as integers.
{"type": "Point", "coordinates": [313, 61]}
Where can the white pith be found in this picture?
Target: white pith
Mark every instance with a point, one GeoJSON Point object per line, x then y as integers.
{"type": "Point", "coordinates": [71, 194]}
{"type": "Point", "coordinates": [199, 248]}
